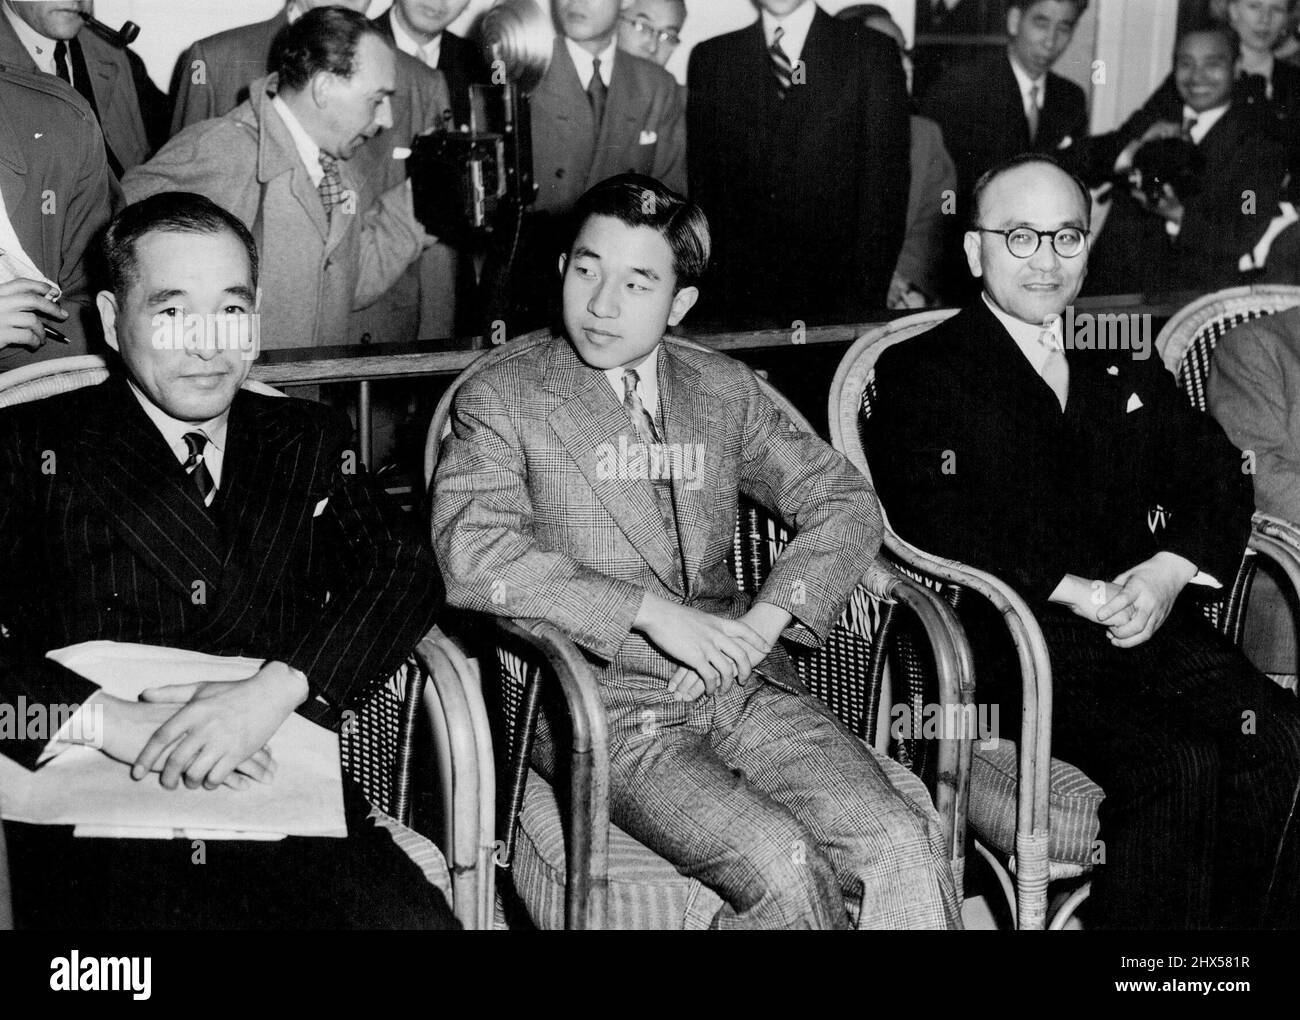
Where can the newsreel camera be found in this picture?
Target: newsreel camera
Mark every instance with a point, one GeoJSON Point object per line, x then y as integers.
{"type": "Point", "coordinates": [476, 180]}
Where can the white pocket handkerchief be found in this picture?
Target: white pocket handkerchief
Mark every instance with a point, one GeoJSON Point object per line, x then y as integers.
{"type": "Point", "coordinates": [1066, 142]}
{"type": "Point", "coordinates": [1134, 402]}
{"type": "Point", "coordinates": [320, 507]}
{"type": "Point", "coordinates": [649, 137]}
{"type": "Point", "coordinates": [1113, 370]}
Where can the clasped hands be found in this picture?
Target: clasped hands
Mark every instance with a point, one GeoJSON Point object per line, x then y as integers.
{"type": "Point", "coordinates": [216, 737]}
{"type": "Point", "coordinates": [714, 652]}
{"type": "Point", "coordinates": [1135, 604]}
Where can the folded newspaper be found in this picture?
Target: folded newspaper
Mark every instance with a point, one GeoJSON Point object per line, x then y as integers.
{"type": "Point", "coordinates": [83, 787]}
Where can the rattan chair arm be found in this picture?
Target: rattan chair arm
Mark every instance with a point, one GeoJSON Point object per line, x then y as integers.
{"type": "Point", "coordinates": [6, 891]}
{"type": "Point", "coordinates": [1035, 669]}
{"type": "Point", "coordinates": [955, 669]}
{"type": "Point", "coordinates": [1279, 540]}
{"type": "Point", "coordinates": [587, 860]}
{"type": "Point", "coordinates": [452, 701]}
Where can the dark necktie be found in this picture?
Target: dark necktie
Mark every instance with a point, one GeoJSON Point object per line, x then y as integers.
{"type": "Point", "coordinates": [331, 185]}
{"type": "Point", "coordinates": [1032, 113]}
{"type": "Point", "coordinates": [597, 93]}
{"type": "Point", "coordinates": [197, 468]}
{"type": "Point", "coordinates": [781, 66]}
{"type": "Point", "coordinates": [69, 61]}
{"type": "Point", "coordinates": [1188, 124]}
{"type": "Point", "coordinates": [648, 433]}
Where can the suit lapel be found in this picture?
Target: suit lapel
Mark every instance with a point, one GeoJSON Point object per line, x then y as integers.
{"type": "Point", "coordinates": [567, 105]}
{"type": "Point", "coordinates": [620, 128]}
{"type": "Point", "coordinates": [13, 168]}
{"type": "Point", "coordinates": [690, 425]}
{"type": "Point", "coordinates": [1013, 104]}
{"type": "Point", "coordinates": [594, 428]}
{"type": "Point", "coordinates": [145, 492]}
{"type": "Point", "coordinates": [277, 155]}
{"type": "Point", "coordinates": [12, 51]}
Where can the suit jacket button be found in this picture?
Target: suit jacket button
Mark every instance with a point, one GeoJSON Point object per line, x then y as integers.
{"type": "Point", "coordinates": [559, 172]}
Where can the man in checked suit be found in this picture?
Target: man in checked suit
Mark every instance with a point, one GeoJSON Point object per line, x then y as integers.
{"type": "Point", "coordinates": [1082, 477]}
{"type": "Point", "coordinates": [117, 503]}
{"type": "Point", "coordinates": [598, 111]}
{"type": "Point", "coordinates": [592, 479]}
{"type": "Point", "coordinates": [798, 130]}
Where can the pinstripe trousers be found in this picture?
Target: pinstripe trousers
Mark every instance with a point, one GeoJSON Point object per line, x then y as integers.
{"type": "Point", "coordinates": [1199, 755]}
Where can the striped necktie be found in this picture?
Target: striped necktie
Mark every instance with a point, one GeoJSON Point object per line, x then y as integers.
{"type": "Point", "coordinates": [331, 185]}
{"type": "Point", "coordinates": [1032, 113]}
{"type": "Point", "coordinates": [1056, 370]}
{"type": "Point", "coordinates": [781, 66]}
{"type": "Point", "coordinates": [197, 468]}
{"type": "Point", "coordinates": [642, 421]}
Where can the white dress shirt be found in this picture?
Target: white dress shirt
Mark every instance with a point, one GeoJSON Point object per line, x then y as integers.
{"type": "Point", "coordinates": [40, 48]}
{"type": "Point", "coordinates": [647, 370]}
{"type": "Point", "coordinates": [427, 53]}
{"type": "Point", "coordinates": [174, 431]}
{"type": "Point", "coordinates": [796, 24]}
{"type": "Point", "coordinates": [1204, 121]}
{"type": "Point", "coordinates": [586, 62]}
{"type": "Point", "coordinates": [1027, 84]}
{"type": "Point", "coordinates": [308, 150]}
{"type": "Point", "coordinates": [1028, 336]}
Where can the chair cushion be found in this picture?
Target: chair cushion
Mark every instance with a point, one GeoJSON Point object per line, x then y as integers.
{"type": "Point", "coordinates": [1073, 799]}
{"type": "Point", "coordinates": [645, 891]}
{"type": "Point", "coordinates": [423, 853]}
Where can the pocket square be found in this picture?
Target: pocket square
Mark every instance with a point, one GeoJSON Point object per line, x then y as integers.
{"type": "Point", "coordinates": [649, 137]}
{"type": "Point", "coordinates": [1113, 370]}
{"type": "Point", "coordinates": [1066, 142]}
{"type": "Point", "coordinates": [1134, 402]}
{"type": "Point", "coordinates": [320, 507]}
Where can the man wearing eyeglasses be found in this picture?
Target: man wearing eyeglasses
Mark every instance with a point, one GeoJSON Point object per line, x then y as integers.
{"type": "Point", "coordinates": [652, 29]}
{"type": "Point", "coordinates": [1075, 471]}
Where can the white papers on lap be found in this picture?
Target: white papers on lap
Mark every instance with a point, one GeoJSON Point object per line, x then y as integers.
{"type": "Point", "coordinates": [86, 788]}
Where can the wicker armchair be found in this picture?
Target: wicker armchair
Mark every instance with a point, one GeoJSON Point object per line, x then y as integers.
{"type": "Point", "coordinates": [1053, 804]}
{"type": "Point", "coordinates": [377, 744]}
{"type": "Point", "coordinates": [569, 866]}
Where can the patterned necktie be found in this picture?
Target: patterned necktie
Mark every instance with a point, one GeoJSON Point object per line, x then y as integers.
{"type": "Point", "coordinates": [1031, 114]}
{"type": "Point", "coordinates": [781, 66]}
{"type": "Point", "coordinates": [331, 185]}
{"type": "Point", "coordinates": [597, 93]}
{"type": "Point", "coordinates": [197, 468]}
{"type": "Point", "coordinates": [642, 421]}
{"type": "Point", "coordinates": [1056, 371]}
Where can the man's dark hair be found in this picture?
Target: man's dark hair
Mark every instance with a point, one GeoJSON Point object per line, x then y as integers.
{"type": "Point", "coordinates": [1025, 159]}
{"type": "Point", "coordinates": [1023, 5]}
{"type": "Point", "coordinates": [323, 39]}
{"type": "Point", "coordinates": [1209, 26]}
{"type": "Point", "coordinates": [180, 212]}
{"type": "Point", "coordinates": [864, 12]}
{"type": "Point", "coordinates": [640, 201]}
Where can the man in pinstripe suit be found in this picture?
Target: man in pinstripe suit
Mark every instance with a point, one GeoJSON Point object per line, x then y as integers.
{"type": "Point", "coordinates": [167, 506]}
{"type": "Point", "coordinates": [594, 480]}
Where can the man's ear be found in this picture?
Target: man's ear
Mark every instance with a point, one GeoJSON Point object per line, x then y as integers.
{"type": "Point", "coordinates": [970, 244]}
{"type": "Point", "coordinates": [106, 302]}
{"type": "Point", "coordinates": [257, 298]}
{"type": "Point", "coordinates": [683, 301]}
{"type": "Point", "coordinates": [322, 85]}
{"type": "Point", "coordinates": [564, 261]}
{"type": "Point", "coordinates": [1013, 20]}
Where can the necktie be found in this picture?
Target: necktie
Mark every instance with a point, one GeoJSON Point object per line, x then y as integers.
{"type": "Point", "coordinates": [197, 469]}
{"type": "Point", "coordinates": [1031, 114]}
{"type": "Point", "coordinates": [331, 185]}
{"type": "Point", "coordinates": [69, 61]}
{"type": "Point", "coordinates": [642, 421]}
{"type": "Point", "coordinates": [61, 61]}
{"type": "Point", "coordinates": [781, 66]}
{"type": "Point", "coordinates": [597, 93]}
{"type": "Point", "coordinates": [1056, 371]}
{"type": "Point", "coordinates": [1188, 124]}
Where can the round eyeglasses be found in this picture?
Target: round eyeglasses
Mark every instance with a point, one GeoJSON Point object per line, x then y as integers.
{"type": "Point", "coordinates": [1024, 242]}
{"type": "Point", "coordinates": [653, 36]}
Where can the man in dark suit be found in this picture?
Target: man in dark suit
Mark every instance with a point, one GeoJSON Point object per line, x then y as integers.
{"type": "Point", "coordinates": [1012, 102]}
{"type": "Point", "coordinates": [54, 198]}
{"type": "Point", "coordinates": [170, 479]}
{"type": "Point", "coordinates": [1082, 478]}
{"type": "Point", "coordinates": [419, 29]}
{"type": "Point", "coordinates": [212, 76]}
{"type": "Point", "coordinates": [798, 129]}
{"type": "Point", "coordinates": [49, 37]}
{"type": "Point", "coordinates": [1194, 240]}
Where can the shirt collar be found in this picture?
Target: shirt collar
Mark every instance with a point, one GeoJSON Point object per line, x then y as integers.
{"type": "Point", "coordinates": [308, 150]}
{"type": "Point", "coordinates": [38, 46]}
{"type": "Point", "coordinates": [428, 53]}
{"type": "Point", "coordinates": [796, 24]}
{"type": "Point", "coordinates": [1026, 83]}
{"type": "Point", "coordinates": [585, 62]}
{"type": "Point", "coordinates": [1204, 121]}
{"type": "Point", "coordinates": [648, 371]}
{"type": "Point", "coordinates": [174, 430]}
{"type": "Point", "coordinates": [1027, 335]}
